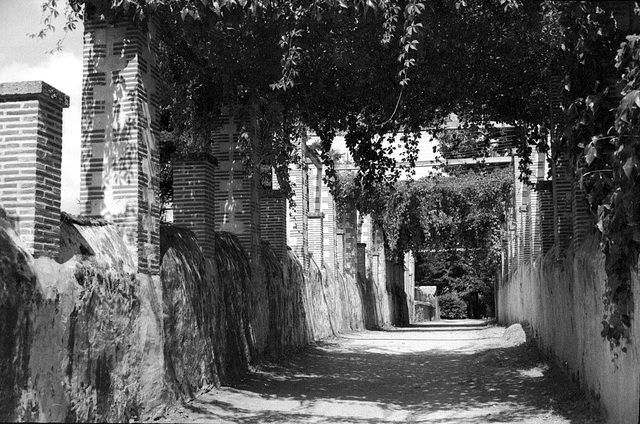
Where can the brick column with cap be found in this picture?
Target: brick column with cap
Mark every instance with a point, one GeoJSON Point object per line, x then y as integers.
{"type": "Point", "coordinates": [119, 168]}
{"type": "Point", "coordinates": [31, 161]}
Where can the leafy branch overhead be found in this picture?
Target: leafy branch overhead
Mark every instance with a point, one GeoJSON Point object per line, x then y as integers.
{"type": "Point", "coordinates": [365, 68]}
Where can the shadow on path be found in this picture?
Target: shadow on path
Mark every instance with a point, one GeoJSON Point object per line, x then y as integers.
{"type": "Point", "coordinates": [403, 375]}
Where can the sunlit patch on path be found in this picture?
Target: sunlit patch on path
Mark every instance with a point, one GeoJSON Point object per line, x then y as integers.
{"type": "Point", "coordinates": [461, 374]}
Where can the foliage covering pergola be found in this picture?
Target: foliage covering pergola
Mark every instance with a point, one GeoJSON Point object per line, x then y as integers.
{"type": "Point", "coordinates": [369, 69]}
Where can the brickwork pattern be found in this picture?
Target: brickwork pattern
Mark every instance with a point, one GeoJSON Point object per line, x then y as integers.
{"type": "Point", "coordinates": [298, 217]}
{"type": "Point", "coordinates": [315, 186]}
{"type": "Point", "coordinates": [545, 196]}
{"type": "Point", "coordinates": [340, 251]}
{"type": "Point", "coordinates": [348, 221]}
{"type": "Point", "coordinates": [119, 130]}
{"type": "Point", "coordinates": [30, 162]}
{"type": "Point", "coordinates": [237, 193]}
{"type": "Point", "coordinates": [194, 200]}
{"type": "Point", "coordinates": [329, 237]}
{"type": "Point", "coordinates": [563, 195]}
{"type": "Point", "coordinates": [316, 236]}
{"type": "Point", "coordinates": [582, 222]}
{"type": "Point", "coordinates": [361, 259]}
{"type": "Point", "coordinates": [273, 221]}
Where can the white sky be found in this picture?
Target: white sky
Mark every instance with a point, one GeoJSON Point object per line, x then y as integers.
{"type": "Point", "coordinates": [25, 59]}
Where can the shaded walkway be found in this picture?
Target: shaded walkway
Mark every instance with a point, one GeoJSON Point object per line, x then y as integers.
{"type": "Point", "coordinates": [418, 374]}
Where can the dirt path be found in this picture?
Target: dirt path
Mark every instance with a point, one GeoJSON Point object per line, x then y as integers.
{"type": "Point", "coordinates": [418, 374]}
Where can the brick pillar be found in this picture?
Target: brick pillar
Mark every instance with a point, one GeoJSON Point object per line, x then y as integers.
{"type": "Point", "coordinates": [298, 218]}
{"type": "Point", "coordinates": [581, 219]}
{"type": "Point", "coordinates": [273, 220]}
{"type": "Point", "coordinates": [521, 208]}
{"type": "Point", "coordinates": [361, 259]}
{"type": "Point", "coordinates": [527, 224]}
{"type": "Point", "coordinates": [30, 162]}
{"type": "Point", "coordinates": [194, 200]}
{"type": "Point", "coordinates": [316, 217]}
{"type": "Point", "coordinates": [340, 250]}
{"type": "Point", "coordinates": [562, 182]}
{"type": "Point", "coordinates": [316, 236]}
{"type": "Point", "coordinates": [378, 254]}
{"type": "Point", "coordinates": [236, 193]}
{"type": "Point", "coordinates": [375, 267]}
{"type": "Point", "coordinates": [366, 230]}
{"type": "Point", "coordinates": [546, 215]}
{"type": "Point", "coordinates": [329, 236]}
{"type": "Point", "coordinates": [561, 176]}
{"type": "Point", "coordinates": [119, 169]}
{"type": "Point", "coordinates": [537, 174]}
{"type": "Point", "coordinates": [409, 282]}
{"type": "Point", "coordinates": [349, 224]}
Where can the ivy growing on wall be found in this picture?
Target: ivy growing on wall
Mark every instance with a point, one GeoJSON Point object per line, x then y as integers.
{"type": "Point", "coordinates": [600, 133]}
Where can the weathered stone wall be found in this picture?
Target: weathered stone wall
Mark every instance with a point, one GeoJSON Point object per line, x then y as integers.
{"type": "Point", "coordinates": [82, 341]}
{"type": "Point", "coordinates": [563, 303]}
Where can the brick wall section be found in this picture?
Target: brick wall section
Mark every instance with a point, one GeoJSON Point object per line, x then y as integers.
{"type": "Point", "coordinates": [538, 174]}
{"type": "Point", "coordinates": [298, 217]}
{"type": "Point", "coordinates": [30, 162]}
{"type": "Point", "coordinates": [582, 221]}
{"type": "Point", "coordinates": [348, 221]}
{"type": "Point", "coordinates": [339, 250]}
{"type": "Point", "coordinates": [561, 185]}
{"type": "Point", "coordinates": [315, 183]}
{"type": "Point", "coordinates": [316, 236]}
{"type": "Point", "coordinates": [365, 230]}
{"type": "Point", "coordinates": [237, 194]}
{"type": "Point", "coordinates": [378, 256]}
{"type": "Point", "coordinates": [546, 215]}
{"type": "Point", "coordinates": [329, 237]}
{"type": "Point", "coordinates": [273, 221]}
{"type": "Point", "coordinates": [194, 201]}
{"type": "Point", "coordinates": [119, 130]}
{"type": "Point", "coordinates": [361, 259]}
{"type": "Point", "coordinates": [521, 206]}
{"type": "Point", "coordinates": [562, 189]}
{"type": "Point", "coordinates": [409, 281]}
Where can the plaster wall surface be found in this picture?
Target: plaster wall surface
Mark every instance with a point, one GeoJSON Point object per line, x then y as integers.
{"type": "Point", "coordinates": [563, 303]}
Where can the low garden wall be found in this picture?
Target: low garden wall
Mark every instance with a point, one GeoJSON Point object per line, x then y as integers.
{"type": "Point", "coordinates": [89, 340]}
{"type": "Point", "coordinates": [562, 301]}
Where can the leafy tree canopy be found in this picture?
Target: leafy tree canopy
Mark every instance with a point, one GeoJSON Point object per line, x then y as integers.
{"type": "Point", "coordinates": [369, 69]}
{"type": "Point", "coordinates": [447, 213]}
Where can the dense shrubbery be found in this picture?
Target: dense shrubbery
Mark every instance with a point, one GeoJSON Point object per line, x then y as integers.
{"type": "Point", "coordinates": [452, 306]}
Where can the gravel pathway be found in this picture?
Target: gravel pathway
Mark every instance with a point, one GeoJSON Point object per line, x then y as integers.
{"type": "Point", "coordinates": [426, 374]}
